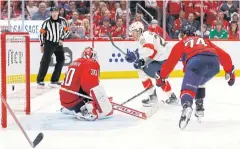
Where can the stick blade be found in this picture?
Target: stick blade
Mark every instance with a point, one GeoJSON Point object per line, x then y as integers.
{"type": "Point", "coordinates": [150, 111]}
{"type": "Point", "coordinates": [37, 140]}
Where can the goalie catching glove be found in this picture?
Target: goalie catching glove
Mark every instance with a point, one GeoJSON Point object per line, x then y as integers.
{"type": "Point", "coordinates": [230, 77]}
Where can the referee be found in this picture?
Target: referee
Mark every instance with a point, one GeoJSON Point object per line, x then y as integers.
{"type": "Point", "coordinates": [54, 30]}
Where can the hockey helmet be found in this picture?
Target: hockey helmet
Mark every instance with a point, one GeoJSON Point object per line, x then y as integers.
{"type": "Point", "coordinates": [188, 30]}
{"type": "Point", "coordinates": [89, 53]}
{"type": "Point", "coordinates": [136, 26]}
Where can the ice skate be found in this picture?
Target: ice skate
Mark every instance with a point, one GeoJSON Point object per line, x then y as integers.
{"type": "Point", "coordinates": [40, 85]}
{"type": "Point", "coordinates": [86, 113]}
{"type": "Point", "coordinates": [151, 100]}
{"type": "Point", "coordinates": [186, 115]}
{"type": "Point", "coordinates": [67, 111]}
{"type": "Point", "coordinates": [54, 84]}
{"type": "Point", "coordinates": [172, 100]}
{"type": "Point", "coordinates": [199, 111]}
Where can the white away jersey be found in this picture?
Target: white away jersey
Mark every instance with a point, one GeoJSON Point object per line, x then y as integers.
{"type": "Point", "coordinates": [152, 46]}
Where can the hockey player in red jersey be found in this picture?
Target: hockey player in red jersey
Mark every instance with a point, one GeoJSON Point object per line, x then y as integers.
{"type": "Point", "coordinates": [83, 77]}
{"type": "Point", "coordinates": [201, 59]}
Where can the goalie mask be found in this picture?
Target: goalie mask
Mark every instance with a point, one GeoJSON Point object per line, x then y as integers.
{"type": "Point", "coordinates": [89, 53]}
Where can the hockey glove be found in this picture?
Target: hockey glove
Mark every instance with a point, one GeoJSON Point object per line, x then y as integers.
{"type": "Point", "coordinates": [230, 77]}
{"type": "Point", "coordinates": [159, 81]}
{"type": "Point", "coordinates": [132, 56]}
{"type": "Point", "coordinates": [138, 64]}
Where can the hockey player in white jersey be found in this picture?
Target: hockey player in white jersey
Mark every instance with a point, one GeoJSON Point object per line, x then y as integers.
{"type": "Point", "coordinates": [148, 59]}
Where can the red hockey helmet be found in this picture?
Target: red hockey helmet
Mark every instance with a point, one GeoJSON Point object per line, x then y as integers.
{"type": "Point", "coordinates": [89, 53]}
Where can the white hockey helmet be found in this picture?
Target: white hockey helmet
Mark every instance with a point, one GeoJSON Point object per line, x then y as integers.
{"type": "Point", "coordinates": [136, 26]}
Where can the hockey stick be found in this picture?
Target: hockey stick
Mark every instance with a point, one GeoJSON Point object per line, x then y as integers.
{"type": "Point", "coordinates": [118, 107]}
{"type": "Point", "coordinates": [110, 37]}
{"type": "Point", "coordinates": [135, 96]}
{"type": "Point", "coordinates": [39, 137]}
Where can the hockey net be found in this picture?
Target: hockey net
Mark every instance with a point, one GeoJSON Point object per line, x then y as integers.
{"type": "Point", "coordinates": [15, 73]}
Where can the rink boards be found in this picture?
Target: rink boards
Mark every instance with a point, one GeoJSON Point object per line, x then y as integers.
{"type": "Point", "coordinates": [112, 62]}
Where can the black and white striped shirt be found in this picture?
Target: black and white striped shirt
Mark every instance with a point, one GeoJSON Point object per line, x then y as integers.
{"type": "Point", "coordinates": [54, 30]}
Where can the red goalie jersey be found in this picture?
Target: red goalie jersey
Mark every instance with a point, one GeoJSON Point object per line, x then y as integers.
{"type": "Point", "coordinates": [82, 76]}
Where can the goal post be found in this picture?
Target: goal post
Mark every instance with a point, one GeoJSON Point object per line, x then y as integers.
{"type": "Point", "coordinates": [15, 73]}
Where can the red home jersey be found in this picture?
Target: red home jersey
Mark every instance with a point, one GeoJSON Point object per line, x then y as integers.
{"type": "Point", "coordinates": [192, 46]}
{"type": "Point", "coordinates": [174, 7]}
{"type": "Point", "coordinates": [118, 33]}
{"type": "Point", "coordinates": [100, 31]}
{"type": "Point", "coordinates": [82, 74]}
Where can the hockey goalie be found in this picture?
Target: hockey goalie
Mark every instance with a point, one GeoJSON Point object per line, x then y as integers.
{"type": "Point", "coordinates": [83, 77]}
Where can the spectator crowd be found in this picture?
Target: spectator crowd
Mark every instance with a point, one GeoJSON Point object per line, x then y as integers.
{"type": "Point", "coordinates": [220, 19]}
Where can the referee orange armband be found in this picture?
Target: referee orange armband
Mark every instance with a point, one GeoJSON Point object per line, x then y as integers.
{"type": "Point", "coordinates": [43, 31]}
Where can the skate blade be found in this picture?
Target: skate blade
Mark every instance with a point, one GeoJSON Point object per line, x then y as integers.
{"type": "Point", "coordinates": [150, 111]}
{"type": "Point", "coordinates": [106, 117]}
{"type": "Point", "coordinates": [53, 85]}
{"type": "Point", "coordinates": [185, 118]}
{"type": "Point", "coordinates": [173, 103]}
{"type": "Point", "coordinates": [149, 105]}
{"type": "Point", "coordinates": [199, 119]}
{"type": "Point", "coordinates": [183, 124]}
{"type": "Point", "coordinates": [40, 87]}
{"type": "Point", "coordinates": [85, 119]}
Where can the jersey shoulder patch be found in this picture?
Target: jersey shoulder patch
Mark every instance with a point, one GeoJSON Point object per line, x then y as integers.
{"type": "Point", "coordinates": [142, 41]}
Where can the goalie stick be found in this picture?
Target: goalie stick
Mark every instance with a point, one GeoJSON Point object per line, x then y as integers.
{"type": "Point", "coordinates": [118, 107]}
{"type": "Point", "coordinates": [39, 137]}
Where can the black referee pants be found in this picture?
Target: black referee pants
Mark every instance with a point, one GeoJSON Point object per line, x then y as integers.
{"type": "Point", "coordinates": [49, 49]}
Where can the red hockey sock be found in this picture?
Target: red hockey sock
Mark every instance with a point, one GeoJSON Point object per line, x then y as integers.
{"type": "Point", "coordinates": [166, 87]}
{"type": "Point", "coordinates": [187, 96]}
{"type": "Point", "coordinates": [147, 83]}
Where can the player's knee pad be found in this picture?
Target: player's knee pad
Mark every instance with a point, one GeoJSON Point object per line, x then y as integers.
{"type": "Point", "coordinates": [200, 93]}
{"type": "Point", "coordinates": [101, 101]}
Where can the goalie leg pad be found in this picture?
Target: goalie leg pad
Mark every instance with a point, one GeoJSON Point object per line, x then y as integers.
{"type": "Point", "coordinates": [101, 102]}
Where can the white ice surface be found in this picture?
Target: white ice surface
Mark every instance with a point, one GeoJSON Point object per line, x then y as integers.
{"type": "Point", "coordinates": [220, 128]}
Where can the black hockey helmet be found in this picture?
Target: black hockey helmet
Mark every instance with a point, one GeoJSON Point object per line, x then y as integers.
{"type": "Point", "coordinates": [188, 30]}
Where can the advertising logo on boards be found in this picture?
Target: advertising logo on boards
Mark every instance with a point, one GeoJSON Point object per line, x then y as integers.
{"type": "Point", "coordinates": [68, 57]}
{"type": "Point", "coordinates": [14, 57]}
{"type": "Point", "coordinates": [117, 58]}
